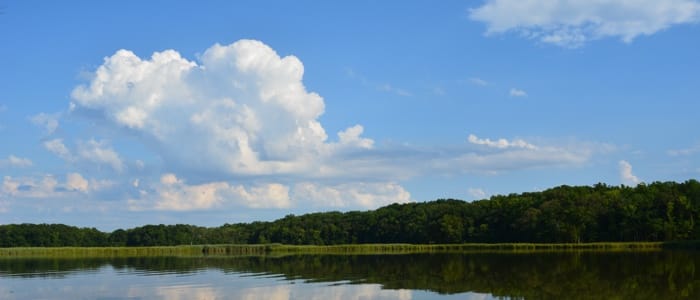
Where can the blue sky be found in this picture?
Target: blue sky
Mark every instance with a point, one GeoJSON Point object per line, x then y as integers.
{"type": "Point", "coordinates": [119, 114]}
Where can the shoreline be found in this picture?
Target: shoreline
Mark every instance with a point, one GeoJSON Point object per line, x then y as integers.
{"type": "Point", "coordinates": [349, 249]}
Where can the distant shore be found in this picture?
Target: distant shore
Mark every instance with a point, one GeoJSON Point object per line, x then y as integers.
{"type": "Point", "coordinates": [351, 249]}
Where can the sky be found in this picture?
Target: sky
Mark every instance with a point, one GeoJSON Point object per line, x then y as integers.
{"type": "Point", "coordinates": [116, 114]}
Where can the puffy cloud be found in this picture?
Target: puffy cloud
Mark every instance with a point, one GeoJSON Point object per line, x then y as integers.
{"type": "Point", "coordinates": [357, 194]}
{"type": "Point", "coordinates": [626, 174]}
{"type": "Point", "coordinates": [351, 137]}
{"type": "Point", "coordinates": [9, 186]}
{"type": "Point", "coordinates": [517, 93]}
{"type": "Point", "coordinates": [14, 161]}
{"type": "Point", "coordinates": [175, 194]}
{"type": "Point", "coordinates": [48, 121]}
{"type": "Point", "coordinates": [241, 130]}
{"type": "Point", "coordinates": [48, 186]}
{"type": "Point", "coordinates": [242, 110]}
{"type": "Point", "coordinates": [501, 143]}
{"type": "Point", "coordinates": [369, 186]}
{"type": "Point", "coordinates": [30, 187]}
{"type": "Point", "coordinates": [574, 22]}
{"type": "Point", "coordinates": [76, 182]}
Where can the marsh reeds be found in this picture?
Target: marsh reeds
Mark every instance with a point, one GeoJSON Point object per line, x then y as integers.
{"type": "Point", "coordinates": [100, 251]}
{"type": "Point", "coordinates": [351, 249]}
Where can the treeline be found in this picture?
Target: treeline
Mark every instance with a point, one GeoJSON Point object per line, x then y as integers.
{"type": "Point", "coordinates": [660, 211]}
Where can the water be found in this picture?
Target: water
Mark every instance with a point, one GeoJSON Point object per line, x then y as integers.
{"type": "Point", "coordinates": [583, 275]}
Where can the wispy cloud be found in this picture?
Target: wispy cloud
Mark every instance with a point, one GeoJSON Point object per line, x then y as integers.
{"type": "Point", "coordinates": [394, 90]}
{"type": "Point", "coordinates": [48, 121]}
{"type": "Point", "coordinates": [91, 151]}
{"type": "Point", "coordinates": [478, 81]}
{"type": "Point", "coordinates": [477, 193]}
{"type": "Point", "coordinates": [383, 87]}
{"type": "Point", "coordinates": [517, 92]}
{"type": "Point", "coordinates": [573, 23]}
{"type": "Point", "coordinates": [100, 153]}
{"type": "Point", "coordinates": [439, 91]}
{"type": "Point", "coordinates": [684, 152]}
{"type": "Point", "coordinates": [501, 143]}
{"type": "Point", "coordinates": [57, 147]}
{"type": "Point", "coordinates": [3, 108]}
{"type": "Point", "coordinates": [14, 161]}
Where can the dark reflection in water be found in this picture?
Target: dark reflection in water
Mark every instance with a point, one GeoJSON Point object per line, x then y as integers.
{"type": "Point", "coordinates": [582, 275]}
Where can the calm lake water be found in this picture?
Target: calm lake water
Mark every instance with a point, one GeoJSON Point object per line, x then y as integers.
{"type": "Point", "coordinates": [583, 275]}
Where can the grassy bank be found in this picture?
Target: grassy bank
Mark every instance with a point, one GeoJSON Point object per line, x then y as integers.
{"type": "Point", "coordinates": [279, 250]}
{"type": "Point", "coordinates": [100, 251]}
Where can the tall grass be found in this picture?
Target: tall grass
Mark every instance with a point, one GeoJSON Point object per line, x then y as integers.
{"type": "Point", "coordinates": [100, 251]}
{"type": "Point", "coordinates": [423, 248]}
{"type": "Point", "coordinates": [279, 249]}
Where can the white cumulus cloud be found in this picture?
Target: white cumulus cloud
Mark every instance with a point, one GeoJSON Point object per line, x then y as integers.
{"type": "Point", "coordinates": [239, 129]}
{"type": "Point", "coordinates": [626, 175]}
{"type": "Point", "coordinates": [572, 23]}
{"type": "Point", "coordinates": [29, 187]}
{"type": "Point", "coordinates": [76, 182]}
{"type": "Point", "coordinates": [351, 136]}
{"type": "Point", "coordinates": [174, 194]}
{"type": "Point", "coordinates": [51, 186]}
{"type": "Point", "coordinates": [242, 109]}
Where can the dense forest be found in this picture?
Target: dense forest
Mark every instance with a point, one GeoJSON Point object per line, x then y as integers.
{"type": "Point", "coordinates": [660, 211]}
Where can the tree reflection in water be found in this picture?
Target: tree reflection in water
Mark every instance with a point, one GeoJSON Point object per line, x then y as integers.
{"type": "Point", "coordinates": [566, 275]}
